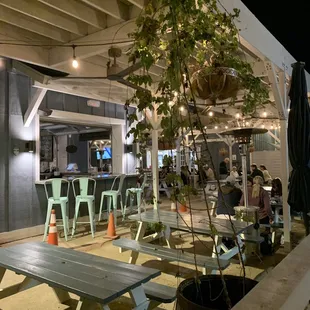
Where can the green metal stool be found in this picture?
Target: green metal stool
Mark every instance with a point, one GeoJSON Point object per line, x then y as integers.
{"type": "Point", "coordinates": [57, 199]}
{"type": "Point", "coordinates": [139, 193]}
{"type": "Point", "coordinates": [113, 195]}
{"type": "Point", "coordinates": [83, 196]}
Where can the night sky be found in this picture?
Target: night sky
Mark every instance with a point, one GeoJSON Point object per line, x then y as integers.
{"type": "Point", "coordinates": [288, 21]}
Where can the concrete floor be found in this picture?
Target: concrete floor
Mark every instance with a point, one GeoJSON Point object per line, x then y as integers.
{"type": "Point", "coordinates": [42, 297]}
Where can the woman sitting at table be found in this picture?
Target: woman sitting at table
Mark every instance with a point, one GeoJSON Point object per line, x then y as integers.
{"type": "Point", "coordinates": [276, 190]}
{"type": "Point", "coordinates": [258, 197]}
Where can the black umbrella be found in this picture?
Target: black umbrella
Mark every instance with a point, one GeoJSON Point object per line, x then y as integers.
{"type": "Point", "coordinates": [299, 143]}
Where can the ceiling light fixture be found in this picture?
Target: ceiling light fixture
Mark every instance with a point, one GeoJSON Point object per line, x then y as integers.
{"type": "Point", "coordinates": [75, 63]}
{"type": "Point", "coordinates": [211, 113]}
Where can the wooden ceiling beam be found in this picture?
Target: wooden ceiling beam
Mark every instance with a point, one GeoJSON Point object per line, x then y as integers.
{"type": "Point", "coordinates": [25, 22]}
{"type": "Point", "coordinates": [79, 11]}
{"type": "Point", "coordinates": [38, 11]}
{"type": "Point", "coordinates": [114, 8]}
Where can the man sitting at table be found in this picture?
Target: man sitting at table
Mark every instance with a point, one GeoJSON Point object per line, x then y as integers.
{"type": "Point", "coordinates": [228, 197]}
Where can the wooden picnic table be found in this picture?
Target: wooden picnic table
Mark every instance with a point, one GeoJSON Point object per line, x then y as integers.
{"type": "Point", "coordinates": [96, 280]}
{"type": "Point", "coordinates": [182, 222]}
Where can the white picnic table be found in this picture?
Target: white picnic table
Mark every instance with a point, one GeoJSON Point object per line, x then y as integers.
{"type": "Point", "coordinates": [96, 280]}
{"type": "Point", "coordinates": [201, 225]}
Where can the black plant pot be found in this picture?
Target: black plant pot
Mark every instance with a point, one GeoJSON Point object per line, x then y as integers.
{"type": "Point", "coordinates": [208, 294]}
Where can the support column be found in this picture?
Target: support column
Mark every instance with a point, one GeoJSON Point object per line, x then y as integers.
{"type": "Point", "coordinates": [178, 157]}
{"type": "Point", "coordinates": [230, 156]}
{"type": "Point", "coordinates": [154, 160]}
{"type": "Point", "coordinates": [118, 147]}
{"type": "Point", "coordinates": [284, 178]}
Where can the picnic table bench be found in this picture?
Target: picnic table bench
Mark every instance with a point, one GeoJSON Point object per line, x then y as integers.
{"type": "Point", "coordinates": [198, 224]}
{"type": "Point", "coordinates": [172, 254]}
{"type": "Point", "coordinates": [96, 280]}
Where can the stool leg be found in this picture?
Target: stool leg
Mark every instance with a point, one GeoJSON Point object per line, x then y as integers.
{"type": "Point", "coordinates": [125, 207]}
{"type": "Point", "coordinates": [48, 216]}
{"type": "Point", "coordinates": [139, 202]}
{"type": "Point", "coordinates": [109, 202]}
{"type": "Point", "coordinates": [121, 202]}
{"type": "Point", "coordinates": [64, 218]}
{"type": "Point", "coordinates": [67, 216]}
{"type": "Point", "coordinates": [100, 208]}
{"type": "Point", "coordinates": [114, 198]}
{"type": "Point", "coordinates": [76, 214]}
{"type": "Point", "coordinates": [91, 217]}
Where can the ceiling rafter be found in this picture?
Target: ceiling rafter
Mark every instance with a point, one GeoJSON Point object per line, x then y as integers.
{"type": "Point", "coordinates": [25, 22]}
{"type": "Point", "coordinates": [114, 8]}
{"type": "Point", "coordinates": [44, 14]}
{"type": "Point", "coordinates": [79, 11]}
{"type": "Point", "coordinates": [138, 3]}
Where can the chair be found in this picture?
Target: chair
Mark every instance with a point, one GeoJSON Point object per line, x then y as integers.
{"type": "Point", "coordinates": [131, 192]}
{"type": "Point", "coordinates": [113, 195]}
{"type": "Point", "coordinates": [84, 197]}
{"type": "Point", "coordinates": [57, 199]}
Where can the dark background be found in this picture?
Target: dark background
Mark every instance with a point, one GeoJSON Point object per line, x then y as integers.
{"type": "Point", "coordinates": [288, 21]}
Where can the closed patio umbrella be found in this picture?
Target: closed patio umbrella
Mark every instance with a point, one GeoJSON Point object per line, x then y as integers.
{"type": "Point", "coordinates": [299, 143]}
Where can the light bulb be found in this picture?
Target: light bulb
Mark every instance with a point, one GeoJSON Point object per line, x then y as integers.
{"type": "Point", "coordinates": [171, 103]}
{"type": "Point", "coordinates": [226, 127]}
{"type": "Point", "coordinates": [206, 127]}
{"type": "Point", "coordinates": [175, 94]}
{"type": "Point", "coordinates": [215, 127]}
{"type": "Point", "coordinates": [238, 115]}
{"type": "Point", "coordinates": [247, 124]}
{"type": "Point", "coordinates": [211, 113]}
{"type": "Point", "coordinates": [288, 110]}
{"type": "Point", "coordinates": [265, 114]}
{"type": "Point", "coordinates": [263, 126]}
{"type": "Point", "coordinates": [271, 127]}
{"type": "Point", "coordinates": [75, 63]}
{"type": "Point", "coordinates": [181, 108]}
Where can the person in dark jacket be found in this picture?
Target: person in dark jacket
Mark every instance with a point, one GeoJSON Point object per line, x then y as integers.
{"type": "Point", "coordinates": [228, 197]}
{"type": "Point", "coordinates": [223, 168]}
{"type": "Point", "coordinates": [255, 172]}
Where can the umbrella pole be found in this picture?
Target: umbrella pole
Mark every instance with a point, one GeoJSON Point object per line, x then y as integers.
{"type": "Point", "coordinates": [244, 175]}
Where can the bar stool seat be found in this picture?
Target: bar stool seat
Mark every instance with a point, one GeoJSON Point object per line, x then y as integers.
{"type": "Point", "coordinates": [84, 196]}
{"type": "Point", "coordinates": [57, 199]}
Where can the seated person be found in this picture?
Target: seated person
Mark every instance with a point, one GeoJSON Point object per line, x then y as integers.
{"type": "Point", "coordinates": [228, 197]}
{"type": "Point", "coordinates": [267, 176]}
{"type": "Point", "coordinates": [276, 190]}
{"type": "Point", "coordinates": [234, 173]}
{"type": "Point", "coordinates": [256, 172]}
{"type": "Point", "coordinates": [258, 197]}
{"type": "Point", "coordinates": [209, 173]}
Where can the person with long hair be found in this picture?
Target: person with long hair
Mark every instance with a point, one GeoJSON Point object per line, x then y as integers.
{"type": "Point", "coordinates": [276, 188]}
{"type": "Point", "coordinates": [259, 197]}
{"type": "Point", "coordinates": [267, 176]}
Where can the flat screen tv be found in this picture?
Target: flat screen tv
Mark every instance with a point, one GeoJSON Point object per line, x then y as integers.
{"type": "Point", "coordinates": [107, 153]}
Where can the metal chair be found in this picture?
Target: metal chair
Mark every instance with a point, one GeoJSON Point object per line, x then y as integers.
{"type": "Point", "coordinates": [113, 195]}
{"type": "Point", "coordinates": [84, 197]}
{"type": "Point", "coordinates": [139, 193]}
{"type": "Point", "coordinates": [57, 199]}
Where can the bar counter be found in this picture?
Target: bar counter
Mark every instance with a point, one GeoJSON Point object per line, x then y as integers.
{"type": "Point", "coordinates": [103, 183]}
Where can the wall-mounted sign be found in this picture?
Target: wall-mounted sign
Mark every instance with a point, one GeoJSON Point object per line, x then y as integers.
{"type": "Point", "coordinates": [93, 103]}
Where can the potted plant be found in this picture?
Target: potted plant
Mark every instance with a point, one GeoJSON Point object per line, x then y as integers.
{"type": "Point", "coordinates": [199, 45]}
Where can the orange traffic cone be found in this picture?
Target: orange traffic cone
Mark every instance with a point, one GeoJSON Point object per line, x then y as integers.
{"type": "Point", "coordinates": [182, 208]}
{"type": "Point", "coordinates": [111, 234]}
{"type": "Point", "coordinates": [52, 233]}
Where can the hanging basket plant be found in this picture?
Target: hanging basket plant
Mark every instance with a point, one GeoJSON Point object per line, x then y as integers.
{"type": "Point", "coordinates": [216, 83]}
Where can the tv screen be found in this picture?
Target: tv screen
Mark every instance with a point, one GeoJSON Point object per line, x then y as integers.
{"type": "Point", "coordinates": [107, 154]}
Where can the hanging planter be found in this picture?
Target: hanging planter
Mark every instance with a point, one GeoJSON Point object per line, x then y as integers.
{"type": "Point", "coordinates": [223, 151]}
{"type": "Point", "coordinates": [213, 297]}
{"type": "Point", "coordinates": [215, 83]}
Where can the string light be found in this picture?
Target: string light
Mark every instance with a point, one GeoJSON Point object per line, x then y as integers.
{"type": "Point", "coordinates": [215, 127]}
{"type": "Point", "coordinates": [271, 127]}
{"type": "Point", "coordinates": [226, 127]}
{"type": "Point", "coordinates": [265, 114]}
{"type": "Point", "coordinates": [247, 124]}
{"type": "Point", "coordinates": [75, 63]}
{"type": "Point", "coordinates": [263, 126]}
{"type": "Point", "coordinates": [238, 115]}
{"type": "Point", "coordinates": [175, 94]}
{"type": "Point", "coordinates": [211, 113]}
{"type": "Point", "coordinates": [206, 127]}
{"type": "Point", "coordinates": [288, 110]}
{"type": "Point", "coordinates": [170, 103]}
{"type": "Point", "coordinates": [181, 108]}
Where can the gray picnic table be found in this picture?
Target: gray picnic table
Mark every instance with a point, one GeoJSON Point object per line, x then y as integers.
{"type": "Point", "coordinates": [96, 280]}
{"type": "Point", "coordinates": [198, 224]}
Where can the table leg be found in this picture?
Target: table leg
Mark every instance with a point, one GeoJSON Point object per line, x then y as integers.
{"type": "Point", "coordinates": [86, 304]}
{"type": "Point", "coordinates": [140, 234]}
{"type": "Point", "coordinates": [138, 297]}
{"type": "Point", "coordinates": [19, 287]}
{"type": "Point", "coordinates": [168, 237]}
{"type": "Point", "coordinates": [276, 215]}
{"type": "Point", "coordinates": [62, 295]}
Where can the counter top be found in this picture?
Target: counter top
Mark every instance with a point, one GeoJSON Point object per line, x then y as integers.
{"type": "Point", "coordinates": [97, 177]}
